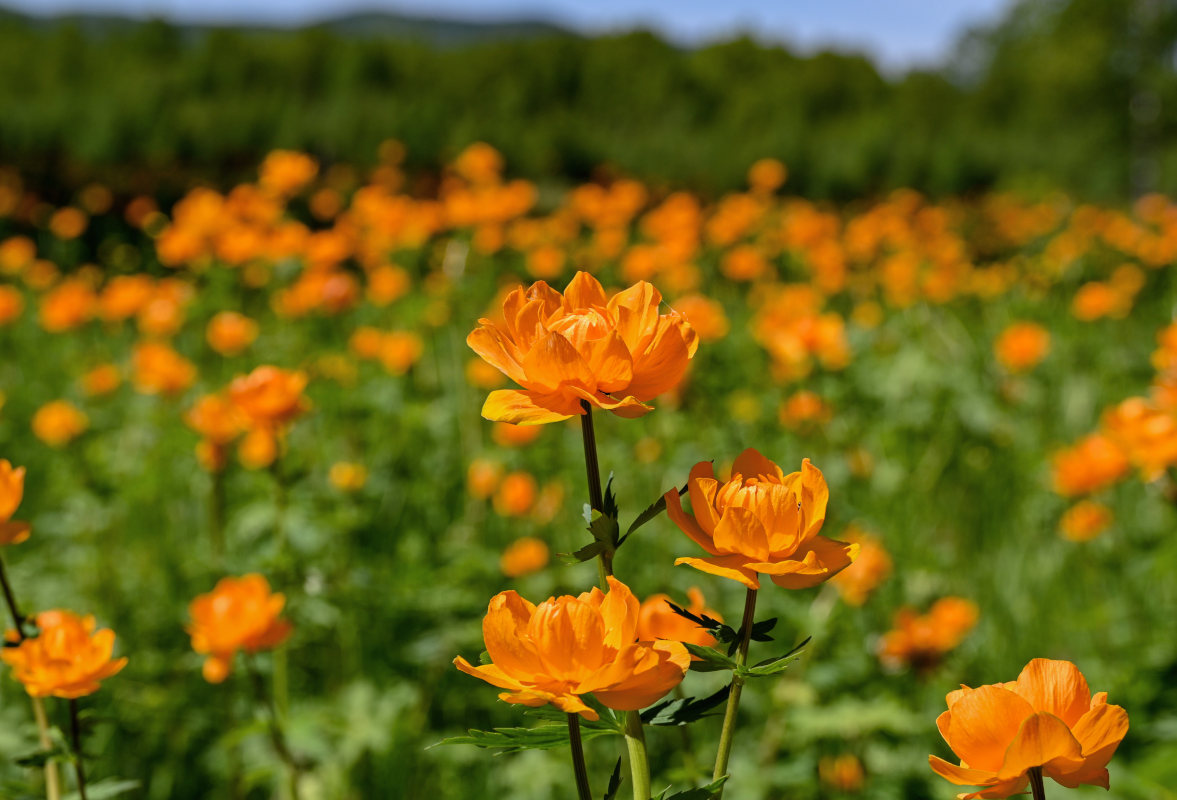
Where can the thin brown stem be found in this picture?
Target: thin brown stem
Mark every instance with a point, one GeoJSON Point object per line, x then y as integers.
{"type": "Point", "coordinates": [578, 766]}
{"type": "Point", "coordinates": [1037, 787]}
{"type": "Point", "coordinates": [727, 735]}
{"type": "Point", "coordinates": [10, 600]}
{"type": "Point", "coordinates": [596, 496]}
{"type": "Point", "coordinates": [76, 735]}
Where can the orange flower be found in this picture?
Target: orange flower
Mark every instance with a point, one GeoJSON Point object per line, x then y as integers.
{"type": "Point", "coordinates": [1047, 719]}
{"type": "Point", "coordinates": [1021, 346]}
{"type": "Point", "coordinates": [482, 477]}
{"type": "Point", "coordinates": [804, 409]}
{"type": "Point", "coordinates": [516, 494]}
{"type": "Point", "coordinates": [613, 354]}
{"type": "Point", "coordinates": [12, 490]}
{"type": "Point", "coordinates": [481, 375]}
{"type": "Point", "coordinates": [270, 397]}
{"type": "Point", "coordinates": [705, 316]}
{"type": "Point", "coordinates": [1085, 520]}
{"type": "Point", "coordinates": [58, 423]}
{"type": "Point", "coordinates": [238, 614]}
{"type": "Point", "coordinates": [843, 773]}
{"type": "Point", "coordinates": [766, 175]}
{"type": "Point", "coordinates": [761, 521]}
{"type": "Point", "coordinates": [570, 646]}
{"type": "Point", "coordinates": [873, 565]}
{"type": "Point", "coordinates": [507, 435]}
{"type": "Point", "coordinates": [68, 658]}
{"type": "Point", "coordinates": [161, 370]}
{"type": "Point", "coordinates": [524, 556]}
{"type": "Point", "coordinates": [1094, 463]}
{"type": "Point", "coordinates": [69, 305]}
{"type": "Point", "coordinates": [229, 333]}
{"type": "Point", "coordinates": [100, 380]}
{"type": "Point", "coordinates": [657, 621]}
{"type": "Point", "coordinates": [286, 171]}
{"type": "Point", "coordinates": [12, 304]}
{"type": "Point", "coordinates": [347, 476]}
{"type": "Point", "coordinates": [215, 418]}
{"type": "Point", "coordinates": [258, 448]}
{"type": "Point", "coordinates": [923, 640]}
{"type": "Point", "coordinates": [399, 350]}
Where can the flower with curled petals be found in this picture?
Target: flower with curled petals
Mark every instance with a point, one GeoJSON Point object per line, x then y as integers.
{"type": "Point", "coordinates": [760, 522]}
{"type": "Point", "coordinates": [571, 646]}
{"type": "Point", "coordinates": [1047, 719]}
{"type": "Point", "coordinates": [582, 346]}
{"type": "Point", "coordinates": [68, 658]}
{"type": "Point", "coordinates": [12, 490]}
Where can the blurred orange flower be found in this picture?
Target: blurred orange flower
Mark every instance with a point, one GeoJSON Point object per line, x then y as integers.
{"type": "Point", "coordinates": [238, 614]}
{"type": "Point", "coordinates": [1085, 520]}
{"type": "Point", "coordinates": [525, 555]}
{"type": "Point", "coordinates": [516, 494]}
{"type": "Point", "coordinates": [68, 658]}
{"type": "Point", "coordinates": [871, 568]}
{"type": "Point", "coordinates": [804, 410]}
{"type": "Point", "coordinates": [842, 773]}
{"type": "Point", "coordinates": [286, 171]}
{"type": "Point", "coordinates": [1094, 463]}
{"type": "Point", "coordinates": [1022, 346]}
{"type": "Point", "coordinates": [229, 333]}
{"type": "Point", "coordinates": [482, 477]}
{"type": "Point", "coordinates": [270, 397]}
{"type": "Point", "coordinates": [507, 435]}
{"type": "Point", "coordinates": [12, 304]}
{"type": "Point", "coordinates": [348, 476]}
{"type": "Point", "coordinates": [1046, 720]}
{"type": "Point", "coordinates": [71, 304]}
{"type": "Point", "coordinates": [613, 354]}
{"type": "Point", "coordinates": [657, 621]}
{"type": "Point", "coordinates": [12, 490]}
{"type": "Point", "coordinates": [760, 521]}
{"type": "Point", "coordinates": [570, 646]}
{"type": "Point", "coordinates": [923, 640]}
{"type": "Point", "coordinates": [706, 316]}
{"type": "Point", "coordinates": [101, 379]}
{"type": "Point", "coordinates": [59, 422]}
{"type": "Point", "coordinates": [158, 369]}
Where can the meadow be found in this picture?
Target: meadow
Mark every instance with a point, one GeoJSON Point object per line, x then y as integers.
{"type": "Point", "coordinates": [986, 382]}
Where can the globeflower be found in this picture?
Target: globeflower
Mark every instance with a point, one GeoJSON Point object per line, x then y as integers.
{"type": "Point", "coordinates": [1021, 346]}
{"type": "Point", "coordinates": [580, 347]}
{"type": "Point", "coordinates": [525, 555]}
{"type": "Point", "coordinates": [238, 614]}
{"type": "Point", "coordinates": [68, 658]}
{"type": "Point", "coordinates": [58, 423]}
{"type": "Point", "coordinates": [1045, 724]}
{"type": "Point", "coordinates": [270, 397]}
{"type": "Point", "coordinates": [922, 640]}
{"type": "Point", "coordinates": [760, 521]}
{"type": "Point", "coordinates": [161, 370]}
{"type": "Point", "coordinates": [569, 646]}
{"type": "Point", "coordinates": [12, 489]}
{"type": "Point", "coordinates": [229, 333]}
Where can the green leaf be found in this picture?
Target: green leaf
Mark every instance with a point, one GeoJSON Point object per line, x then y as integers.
{"type": "Point", "coordinates": [105, 788]}
{"type": "Point", "coordinates": [604, 529]}
{"type": "Point", "coordinates": [702, 793]}
{"type": "Point", "coordinates": [723, 633]}
{"type": "Point", "coordinates": [614, 781]}
{"type": "Point", "coordinates": [514, 740]}
{"type": "Point", "coordinates": [484, 658]}
{"type": "Point", "coordinates": [41, 757]}
{"type": "Point", "coordinates": [652, 511]}
{"type": "Point", "coordinates": [685, 711]}
{"type": "Point", "coordinates": [760, 630]}
{"type": "Point", "coordinates": [610, 500]}
{"type": "Point", "coordinates": [772, 666]}
{"type": "Point", "coordinates": [710, 659]}
{"type": "Point", "coordinates": [586, 553]}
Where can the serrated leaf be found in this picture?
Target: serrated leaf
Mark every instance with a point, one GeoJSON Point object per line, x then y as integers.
{"type": "Point", "coordinates": [709, 659]}
{"type": "Point", "coordinates": [586, 553]}
{"type": "Point", "coordinates": [606, 720]}
{"type": "Point", "coordinates": [614, 781]}
{"type": "Point", "coordinates": [720, 631]}
{"type": "Point", "coordinates": [652, 511]}
{"type": "Point", "coordinates": [685, 711]}
{"type": "Point", "coordinates": [610, 499]}
{"type": "Point", "coordinates": [484, 658]}
{"type": "Point", "coordinates": [604, 528]}
{"type": "Point", "coordinates": [774, 665]}
{"type": "Point", "coordinates": [760, 630]}
{"type": "Point", "coordinates": [515, 740]}
{"type": "Point", "coordinates": [702, 793]}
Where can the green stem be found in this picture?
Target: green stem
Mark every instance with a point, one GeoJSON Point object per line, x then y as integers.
{"type": "Point", "coordinates": [216, 514]}
{"type": "Point", "coordinates": [277, 733]}
{"type": "Point", "coordinates": [578, 767]}
{"type": "Point", "coordinates": [1036, 785]}
{"type": "Point", "coordinates": [52, 778]}
{"type": "Point", "coordinates": [76, 733]}
{"type": "Point", "coordinates": [10, 600]}
{"type": "Point", "coordinates": [639, 762]}
{"type": "Point", "coordinates": [733, 700]}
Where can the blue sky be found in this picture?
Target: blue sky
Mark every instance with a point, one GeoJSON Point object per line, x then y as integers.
{"type": "Point", "coordinates": [899, 33]}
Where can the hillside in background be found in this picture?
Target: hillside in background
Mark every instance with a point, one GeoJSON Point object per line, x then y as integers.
{"type": "Point", "coordinates": [1079, 95]}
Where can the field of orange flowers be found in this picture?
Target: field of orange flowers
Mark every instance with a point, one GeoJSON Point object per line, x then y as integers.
{"type": "Point", "coordinates": [268, 452]}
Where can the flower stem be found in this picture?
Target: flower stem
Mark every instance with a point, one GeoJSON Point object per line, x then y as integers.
{"type": "Point", "coordinates": [76, 734]}
{"type": "Point", "coordinates": [639, 762]}
{"type": "Point", "coordinates": [52, 778]}
{"type": "Point", "coordinates": [1036, 785]}
{"type": "Point", "coordinates": [216, 514]}
{"type": "Point", "coordinates": [578, 767]}
{"type": "Point", "coordinates": [277, 734]}
{"type": "Point", "coordinates": [733, 700]}
{"type": "Point", "coordinates": [10, 599]}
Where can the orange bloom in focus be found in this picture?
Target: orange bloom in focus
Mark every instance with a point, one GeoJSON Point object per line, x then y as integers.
{"type": "Point", "coordinates": [102, 379]}
{"type": "Point", "coordinates": [871, 568]}
{"type": "Point", "coordinates": [229, 333]}
{"type": "Point", "coordinates": [161, 370]}
{"type": "Point", "coordinates": [657, 621]}
{"type": "Point", "coordinates": [270, 397]}
{"type": "Point", "coordinates": [922, 640]}
{"type": "Point", "coordinates": [760, 521]}
{"type": "Point", "coordinates": [516, 494]}
{"type": "Point", "coordinates": [1046, 719]}
{"type": "Point", "coordinates": [1022, 346]}
{"type": "Point", "coordinates": [525, 555]}
{"type": "Point", "coordinates": [12, 491]}
{"type": "Point", "coordinates": [1094, 463]}
{"type": "Point", "coordinates": [613, 354]}
{"type": "Point", "coordinates": [67, 659]}
{"type": "Point", "coordinates": [1085, 520]}
{"type": "Point", "coordinates": [570, 646]}
{"type": "Point", "coordinates": [238, 614]}
{"type": "Point", "coordinates": [57, 423]}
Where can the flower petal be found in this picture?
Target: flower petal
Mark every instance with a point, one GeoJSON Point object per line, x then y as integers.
{"type": "Point", "coordinates": [504, 630]}
{"type": "Point", "coordinates": [494, 348]}
{"type": "Point", "coordinates": [703, 488]}
{"type": "Point", "coordinates": [584, 291]}
{"type": "Point", "coordinates": [528, 408]}
{"type": "Point", "coordinates": [659, 368]}
{"type": "Point", "coordinates": [1057, 687]}
{"type": "Point", "coordinates": [619, 611]}
{"type": "Point", "coordinates": [983, 724]}
{"type": "Point", "coordinates": [961, 776]}
{"type": "Point", "coordinates": [751, 464]}
{"type": "Point", "coordinates": [824, 559]}
{"type": "Point", "coordinates": [1043, 740]}
{"type": "Point", "coordinates": [687, 523]}
{"type": "Point", "coordinates": [730, 566]}
{"type": "Point", "coordinates": [741, 531]}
